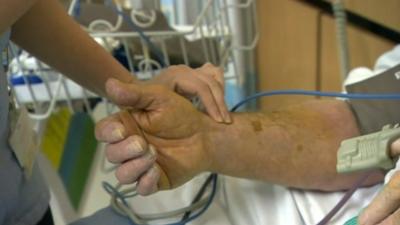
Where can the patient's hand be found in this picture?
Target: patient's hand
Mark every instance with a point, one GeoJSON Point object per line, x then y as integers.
{"type": "Point", "coordinates": [170, 123]}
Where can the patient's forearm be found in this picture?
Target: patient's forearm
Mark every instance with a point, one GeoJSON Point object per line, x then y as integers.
{"type": "Point", "coordinates": [50, 34]}
{"type": "Point", "coordinates": [295, 147]}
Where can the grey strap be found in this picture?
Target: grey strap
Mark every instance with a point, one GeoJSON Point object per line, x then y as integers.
{"type": "Point", "coordinates": [372, 115]}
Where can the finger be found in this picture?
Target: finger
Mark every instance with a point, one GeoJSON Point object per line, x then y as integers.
{"type": "Point", "coordinates": [131, 170]}
{"type": "Point", "coordinates": [216, 72]}
{"type": "Point", "coordinates": [393, 219]}
{"type": "Point", "coordinates": [110, 129]}
{"type": "Point", "coordinates": [132, 95]}
{"type": "Point", "coordinates": [147, 183]}
{"type": "Point", "coordinates": [130, 148]}
{"type": "Point", "coordinates": [385, 203]}
{"type": "Point", "coordinates": [204, 92]}
{"type": "Point", "coordinates": [218, 95]}
{"type": "Point", "coordinates": [191, 85]}
{"type": "Point", "coordinates": [129, 123]}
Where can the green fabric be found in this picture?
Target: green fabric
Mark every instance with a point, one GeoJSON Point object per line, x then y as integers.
{"type": "Point", "coordinates": [79, 150]}
{"type": "Point", "coordinates": [352, 221]}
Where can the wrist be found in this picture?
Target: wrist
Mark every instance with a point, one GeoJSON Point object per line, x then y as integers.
{"type": "Point", "coordinates": [217, 139]}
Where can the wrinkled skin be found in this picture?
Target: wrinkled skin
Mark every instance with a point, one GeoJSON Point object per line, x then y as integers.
{"type": "Point", "coordinates": [169, 122]}
{"type": "Point", "coordinates": [206, 82]}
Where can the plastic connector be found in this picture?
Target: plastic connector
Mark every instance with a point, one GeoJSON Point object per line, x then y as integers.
{"type": "Point", "coordinates": [369, 151]}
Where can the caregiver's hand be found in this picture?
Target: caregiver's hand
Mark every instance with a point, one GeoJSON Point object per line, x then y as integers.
{"type": "Point", "coordinates": [385, 208]}
{"type": "Point", "coordinates": [206, 82]}
{"type": "Point", "coordinates": [169, 122]}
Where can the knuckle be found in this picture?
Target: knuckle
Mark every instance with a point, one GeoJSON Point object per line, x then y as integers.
{"type": "Point", "coordinates": [208, 65]}
{"type": "Point", "coordinates": [173, 67]}
{"type": "Point", "coordinates": [140, 140]}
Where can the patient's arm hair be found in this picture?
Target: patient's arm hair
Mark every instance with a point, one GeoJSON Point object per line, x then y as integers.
{"type": "Point", "coordinates": [295, 146]}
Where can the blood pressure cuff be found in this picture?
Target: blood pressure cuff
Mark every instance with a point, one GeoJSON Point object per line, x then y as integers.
{"type": "Point", "coordinates": [372, 115]}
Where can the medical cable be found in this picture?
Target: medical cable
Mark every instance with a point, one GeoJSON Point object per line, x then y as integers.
{"type": "Point", "coordinates": [344, 199]}
{"type": "Point", "coordinates": [341, 37]}
{"type": "Point", "coordinates": [76, 11]}
{"type": "Point", "coordinates": [377, 96]}
{"type": "Point", "coordinates": [120, 204]}
{"type": "Point", "coordinates": [140, 31]}
{"type": "Point", "coordinates": [121, 195]}
{"type": "Point", "coordinates": [198, 196]}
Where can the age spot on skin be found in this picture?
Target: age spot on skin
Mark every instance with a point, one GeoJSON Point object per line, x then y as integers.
{"type": "Point", "coordinates": [257, 127]}
{"type": "Point", "coordinates": [299, 148]}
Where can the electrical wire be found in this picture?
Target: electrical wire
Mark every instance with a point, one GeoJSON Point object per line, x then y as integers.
{"type": "Point", "coordinates": [198, 196]}
{"type": "Point", "coordinates": [346, 197]}
{"type": "Point", "coordinates": [341, 37]}
{"type": "Point", "coordinates": [136, 28]}
{"type": "Point", "coordinates": [120, 205]}
{"type": "Point", "coordinates": [75, 10]}
{"type": "Point", "coordinates": [375, 96]}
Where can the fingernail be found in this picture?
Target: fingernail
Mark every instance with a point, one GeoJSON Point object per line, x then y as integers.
{"type": "Point", "coordinates": [135, 147]}
{"type": "Point", "coordinates": [151, 154]}
{"type": "Point", "coordinates": [117, 133]}
{"type": "Point", "coordinates": [227, 118]}
{"type": "Point", "coordinates": [219, 118]}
